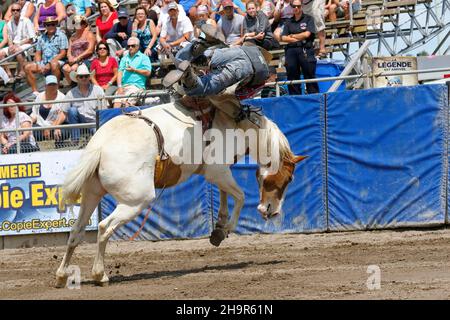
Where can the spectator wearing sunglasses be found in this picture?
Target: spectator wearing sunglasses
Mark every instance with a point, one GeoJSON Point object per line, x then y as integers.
{"type": "Point", "coordinates": [298, 32]}
{"type": "Point", "coordinates": [82, 111]}
{"type": "Point", "coordinates": [27, 10]}
{"type": "Point", "coordinates": [119, 34]}
{"type": "Point", "coordinates": [104, 69]}
{"type": "Point", "coordinates": [51, 50]}
{"type": "Point", "coordinates": [134, 69]}
{"type": "Point", "coordinates": [20, 37]}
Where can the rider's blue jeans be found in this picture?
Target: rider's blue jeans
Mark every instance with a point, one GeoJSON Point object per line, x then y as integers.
{"type": "Point", "coordinates": [227, 67]}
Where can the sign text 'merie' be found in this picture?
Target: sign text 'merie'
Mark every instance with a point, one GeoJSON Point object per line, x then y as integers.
{"type": "Point", "coordinates": [20, 170]}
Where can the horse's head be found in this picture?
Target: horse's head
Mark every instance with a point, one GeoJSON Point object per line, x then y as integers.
{"type": "Point", "coordinates": [273, 186]}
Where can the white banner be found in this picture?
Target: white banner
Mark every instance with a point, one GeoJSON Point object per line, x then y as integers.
{"type": "Point", "coordinates": [30, 193]}
{"type": "Point", "coordinates": [392, 64]}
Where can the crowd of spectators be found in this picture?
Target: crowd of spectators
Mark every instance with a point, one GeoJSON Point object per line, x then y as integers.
{"type": "Point", "coordinates": [113, 53]}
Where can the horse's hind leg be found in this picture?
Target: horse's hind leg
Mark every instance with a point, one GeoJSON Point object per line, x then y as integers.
{"type": "Point", "coordinates": [92, 194]}
{"type": "Point", "coordinates": [121, 215]}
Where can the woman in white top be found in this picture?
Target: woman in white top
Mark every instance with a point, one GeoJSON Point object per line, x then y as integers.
{"type": "Point", "coordinates": [9, 139]}
{"type": "Point", "coordinates": [46, 114]}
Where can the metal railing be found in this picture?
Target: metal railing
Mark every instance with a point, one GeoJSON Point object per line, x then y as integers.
{"type": "Point", "coordinates": [369, 75]}
{"type": "Point", "coordinates": [152, 93]}
{"type": "Point", "coordinates": [143, 95]}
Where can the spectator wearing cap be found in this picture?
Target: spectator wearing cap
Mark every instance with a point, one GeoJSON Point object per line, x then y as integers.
{"type": "Point", "coordinates": [82, 111]}
{"type": "Point", "coordinates": [20, 37]}
{"type": "Point", "coordinates": [231, 24]}
{"type": "Point", "coordinates": [134, 69]}
{"type": "Point", "coordinates": [50, 8]}
{"type": "Point", "coordinates": [47, 114]}
{"type": "Point", "coordinates": [104, 23]}
{"type": "Point", "coordinates": [257, 28]}
{"type": "Point", "coordinates": [176, 32]}
{"type": "Point", "coordinates": [201, 18]}
{"type": "Point", "coordinates": [51, 50]}
{"type": "Point", "coordinates": [164, 14]}
{"type": "Point", "coordinates": [81, 47]}
{"type": "Point", "coordinates": [119, 34]}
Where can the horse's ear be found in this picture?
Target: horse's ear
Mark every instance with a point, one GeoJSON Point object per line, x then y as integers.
{"type": "Point", "coordinates": [297, 159]}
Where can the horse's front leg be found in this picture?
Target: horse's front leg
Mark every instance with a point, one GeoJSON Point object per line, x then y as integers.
{"type": "Point", "coordinates": [219, 234]}
{"type": "Point", "coordinates": [223, 210]}
{"type": "Point", "coordinates": [224, 180]}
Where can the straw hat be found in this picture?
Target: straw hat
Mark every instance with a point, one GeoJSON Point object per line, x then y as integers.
{"type": "Point", "coordinates": [81, 70]}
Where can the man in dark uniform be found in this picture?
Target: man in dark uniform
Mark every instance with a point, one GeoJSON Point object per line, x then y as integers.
{"type": "Point", "coordinates": [298, 32]}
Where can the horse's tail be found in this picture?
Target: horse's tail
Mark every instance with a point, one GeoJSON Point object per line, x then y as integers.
{"type": "Point", "coordinates": [76, 178]}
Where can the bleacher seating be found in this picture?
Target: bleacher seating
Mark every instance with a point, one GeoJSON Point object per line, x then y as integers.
{"type": "Point", "coordinates": [339, 34]}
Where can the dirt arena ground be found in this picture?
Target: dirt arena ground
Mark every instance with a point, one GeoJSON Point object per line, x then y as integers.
{"type": "Point", "coordinates": [414, 265]}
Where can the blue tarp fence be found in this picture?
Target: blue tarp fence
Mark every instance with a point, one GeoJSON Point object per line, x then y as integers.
{"type": "Point", "coordinates": [377, 159]}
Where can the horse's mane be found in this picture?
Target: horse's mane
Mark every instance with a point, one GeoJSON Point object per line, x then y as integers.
{"type": "Point", "coordinates": [274, 135]}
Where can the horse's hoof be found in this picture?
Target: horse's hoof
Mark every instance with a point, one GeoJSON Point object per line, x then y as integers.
{"type": "Point", "coordinates": [61, 282]}
{"type": "Point", "coordinates": [100, 279]}
{"type": "Point", "coordinates": [217, 236]}
{"type": "Point", "coordinates": [103, 283]}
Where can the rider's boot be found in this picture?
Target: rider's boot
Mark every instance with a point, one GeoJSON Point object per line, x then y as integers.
{"type": "Point", "coordinates": [213, 35]}
{"type": "Point", "coordinates": [184, 73]}
{"type": "Point", "coordinates": [189, 78]}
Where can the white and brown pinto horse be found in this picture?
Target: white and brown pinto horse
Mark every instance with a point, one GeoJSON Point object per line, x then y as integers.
{"type": "Point", "coordinates": [121, 159]}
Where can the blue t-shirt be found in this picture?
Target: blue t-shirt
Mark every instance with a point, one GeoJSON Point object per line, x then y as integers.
{"type": "Point", "coordinates": [138, 61]}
